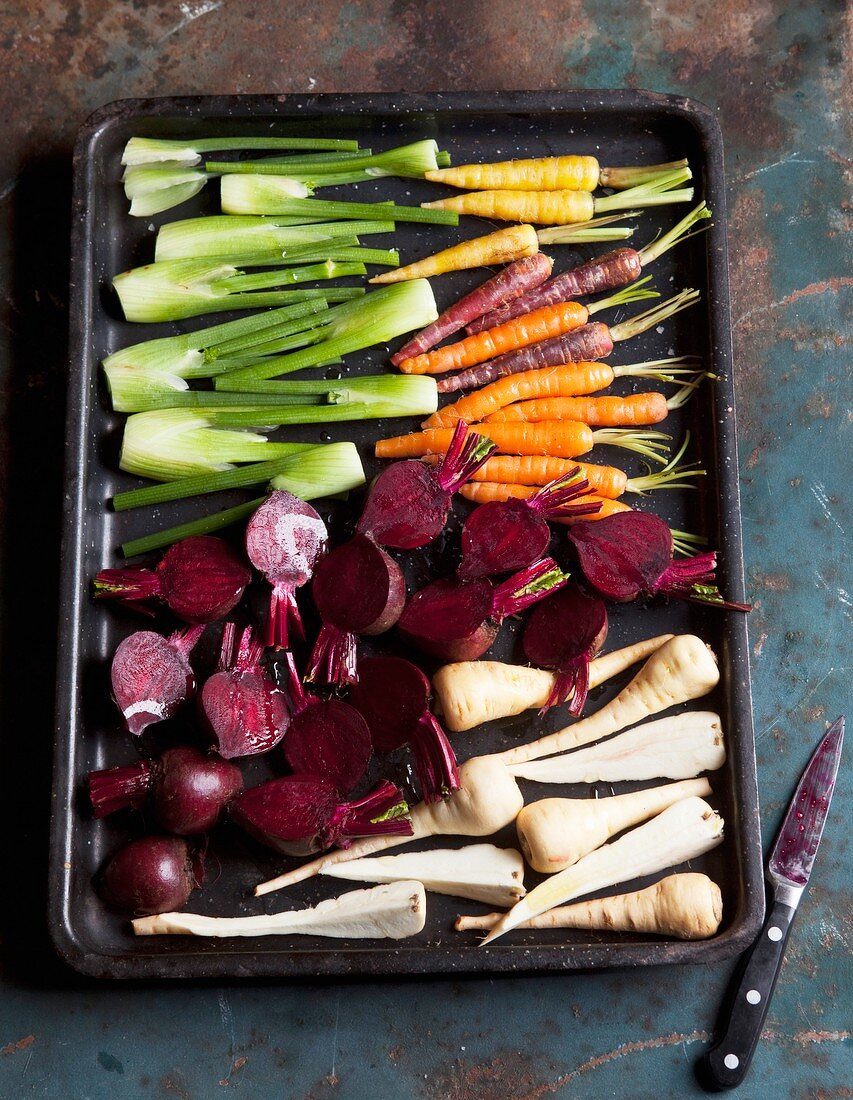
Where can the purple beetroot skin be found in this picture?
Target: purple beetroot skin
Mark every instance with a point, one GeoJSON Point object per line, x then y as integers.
{"type": "Point", "coordinates": [407, 504]}
{"type": "Point", "coordinates": [284, 539]}
{"type": "Point", "coordinates": [151, 676]}
{"type": "Point", "coordinates": [458, 620]}
{"type": "Point", "coordinates": [302, 814]}
{"type": "Point", "coordinates": [188, 789]}
{"type": "Point", "coordinates": [358, 589]}
{"type": "Point", "coordinates": [563, 634]}
{"type": "Point", "coordinates": [155, 874]}
{"type": "Point", "coordinates": [507, 535]}
{"type": "Point", "coordinates": [240, 704]}
{"type": "Point", "coordinates": [200, 579]}
{"type": "Point", "coordinates": [327, 737]}
{"type": "Point", "coordinates": [630, 554]}
{"type": "Point", "coordinates": [393, 695]}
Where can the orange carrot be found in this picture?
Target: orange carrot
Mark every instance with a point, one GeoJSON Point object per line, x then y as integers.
{"type": "Point", "coordinates": [537, 470]}
{"type": "Point", "coordinates": [563, 380]}
{"type": "Point", "coordinates": [558, 438]}
{"type": "Point", "coordinates": [484, 492]}
{"type": "Point", "coordinates": [530, 328]}
{"type": "Point", "coordinates": [614, 412]}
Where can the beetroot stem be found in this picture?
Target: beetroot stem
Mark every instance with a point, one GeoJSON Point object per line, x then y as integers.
{"type": "Point", "coordinates": [333, 660]}
{"type": "Point", "coordinates": [527, 587]}
{"type": "Point", "coordinates": [464, 457]}
{"type": "Point", "coordinates": [295, 691]}
{"type": "Point", "coordinates": [116, 788]}
{"type": "Point", "coordinates": [129, 585]}
{"type": "Point", "coordinates": [185, 640]}
{"type": "Point", "coordinates": [555, 499]}
{"type": "Point", "coordinates": [383, 812]}
{"type": "Point", "coordinates": [282, 618]}
{"type": "Point", "coordinates": [435, 760]}
{"type": "Point", "coordinates": [574, 680]}
{"type": "Point", "coordinates": [693, 579]}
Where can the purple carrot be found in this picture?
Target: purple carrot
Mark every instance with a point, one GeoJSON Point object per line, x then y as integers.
{"type": "Point", "coordinates": [393, 695]}
{"type": "Point", "coordinates": [284, 539]}
{"type": "Point", "coordinates": [188, 790]}
{"type": "Point", "coordinates": [589, 342]}
{"type": "Point", "coordinates": [614, 269]}
{"type": "Point", "coordinates": [503, 536]}
{"type": "Point", "coordinates": [516, 280]}
{"type": "Point", "coordinates": [358, 589]}
{"type": "Point", "coordinates": [301, 814]}
{"type": "Point", "coordinates": [200, 579]}
{"type": "Point", "coordinates": [563, 634]}
{"type": "Point", "coordinates": [240, 704]}
{"type": "Point", "coordinates": [408, 502]}
{"type": "Point", "coordinates": [631, 554]}
{"type": "Point", "coordinates": [151, 676]}
{"type": "Point", "coordinates": [327, 737]}
{"type": "Point", "coordinates": [458, 620]}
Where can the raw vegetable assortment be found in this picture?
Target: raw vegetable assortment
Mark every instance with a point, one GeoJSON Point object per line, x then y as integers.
{"type": "Point", "coordinates": [200, 405]}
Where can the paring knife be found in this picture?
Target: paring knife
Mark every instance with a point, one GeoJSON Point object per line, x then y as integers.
{"type": "Point", "coordinates": [725, 1065]}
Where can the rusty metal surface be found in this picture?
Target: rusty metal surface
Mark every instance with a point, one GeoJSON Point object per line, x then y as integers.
{"type": "Point", "coordinates": [777, 75]}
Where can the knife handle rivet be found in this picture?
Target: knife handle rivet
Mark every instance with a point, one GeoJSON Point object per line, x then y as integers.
{"type": "Point", "coordinates": [731, 1061]}
{"type": "Point", "coordinates": [774, 933]}
{"type": "Point", "coordinates": [753, 996]}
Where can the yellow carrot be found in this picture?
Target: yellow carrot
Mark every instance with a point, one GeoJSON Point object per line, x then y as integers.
{"type": "Point", "coordinates": [539, 207]}
{"type": "Point", "coordinates": [501, 247]}
{"type": "Point", "coordinates": [571, 173]}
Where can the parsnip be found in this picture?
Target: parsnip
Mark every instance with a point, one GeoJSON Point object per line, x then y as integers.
{"type": "Point", "coordinates": [554, 833]}
{"type": "Point", "coordinates": [684, 831]}
{"type": "Point", "coordinates": [487, 801]}
{"type": "Point", "coordinates": [683, 668]}
{"type": "Point", "coordinates": [481, 872]}
{"type": "Point", "coordinates": [383, 912]}
{"type": "Point", "coordinates": [468, 693]}
{"type": "Point", "coordinates": [677, 747]}
{"type": "Point", "coordinates": [687, 906]}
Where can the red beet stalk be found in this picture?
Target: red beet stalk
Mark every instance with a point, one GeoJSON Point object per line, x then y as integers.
{"type": "Point", "coordinates": [188, 789]}
{"type": "Point", "coordinates": [393, 696]}
{"type": "Point", "coordinates": [240, 704]}
{"type": "Point", "coordinates": [151, 676]}
{"type": "Point", "coordinates": [408, 503]}
{"type": "Point", "coordinates": [516, 280]}
{"type": "Point", "coordinates": [458, 620]}
{"type": "Point", "coordinates": [631, 554]}
{"type": "Point", "coordinates": [284, 539]}
{"type": "Point", "coordinates": [503, 536]}
{"type": "Point", "coordinates": [563, 634]}
{"type": "Point", "coordinates": [358, 589]}
{"type": "Point", "coordinates": [301, 814]}
{"type": "Point", "coordinates": [613, 269]}
{"type": "Point", "coordinates": [327, 737]}
{"type": "Point", "coordinates": [200, 579]}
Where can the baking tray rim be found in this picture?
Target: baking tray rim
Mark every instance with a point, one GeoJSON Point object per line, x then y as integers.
{"type": "Point", "coordinates": [515, 959]}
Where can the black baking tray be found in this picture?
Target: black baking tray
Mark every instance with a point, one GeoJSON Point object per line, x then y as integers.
{"type": "Point", "coordinates": [620, 127]}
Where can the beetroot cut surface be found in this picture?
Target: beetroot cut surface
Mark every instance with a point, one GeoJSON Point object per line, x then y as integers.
{"type": "Point", "coordinates": [503, 536]}
{"type": "Point", "coordinates": [200, 579]}
{"type": "Point", "coordinates": [631, 554]}
{"type": "Point", "coordinates": [151, 676]}
{"type": "Point", "coordinates": [301, 814]}
{"type": "Point", "coordinates": [458, 620]}
{"type": "Point", "coordinates": [240, 704]}
{"type": "Point", "coordinates": [358, 589]}
{"type": "Point", "coordinates": [393, 695]}
{"type": "Point", "coordinates": [327, 737]}
{"type": "Point", "coordinates": [408, 502]}
{"type": "Point", "coordinates": [563, 634]}
{"type": "Point", "coordinates": [284, 540]}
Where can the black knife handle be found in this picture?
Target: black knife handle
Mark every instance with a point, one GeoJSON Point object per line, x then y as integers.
{"type": "Point", "coordinates": [724, 1066]}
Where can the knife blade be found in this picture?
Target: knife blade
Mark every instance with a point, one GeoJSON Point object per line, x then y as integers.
{"type": "Point", "coordinates": [725, 1064]}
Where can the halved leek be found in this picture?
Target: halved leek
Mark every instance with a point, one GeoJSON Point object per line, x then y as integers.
{"type": "Point", "coordinates": [141, 150]}
{"type": "Point", "coordinates": [236, 238]}
{"type": "Point", "coordinates": [271, 195]}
